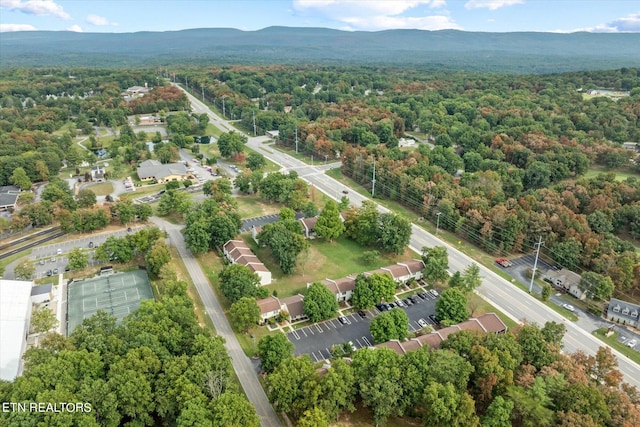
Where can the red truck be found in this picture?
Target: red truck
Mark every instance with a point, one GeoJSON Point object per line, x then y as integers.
{"type": "Point", "coordinates": [504, 262]}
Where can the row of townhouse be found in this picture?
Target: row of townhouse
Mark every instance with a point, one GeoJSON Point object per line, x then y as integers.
{"type": "Point", "coordinates": [486, 323]}
{"type": "Point", "coordinates": [292, 307]}
{"type": "Point", "coordinates": [238, 252]}
{"type": "Point", "coordinates": [342, 288]}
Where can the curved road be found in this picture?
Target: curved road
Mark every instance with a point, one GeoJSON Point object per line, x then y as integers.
{"type": "Point", "coordinates": [503, 295]}
{"type": "Point", "coordinates": [241, 363]}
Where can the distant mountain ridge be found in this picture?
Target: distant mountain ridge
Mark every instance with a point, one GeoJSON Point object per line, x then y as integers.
{"type": "Point", "coordinates": [522, 52]}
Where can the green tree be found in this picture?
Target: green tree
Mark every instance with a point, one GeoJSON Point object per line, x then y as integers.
{"type": "Point", "coordinates": [378, 379]}
{"type": "Point", "coordinates": [319, 303]}
{"type": "Point", "coordinates": [43, 320]}
{"type": "Point", "coordinates": [285, 244]}
{"type": "Point", "coordinates": [329, 224]}
{"type": "Point", "coordinates": [471, 278]}
{"type": "Point", "coordinates": [499, 413]}
{"type": "Point", "coordinates": [536, 350]}
{"type": "Point", "coordinates": [445, 406]}
{"type": "Point", "coordinates": [233, 409]}
{"type": "Point", "coordinates": [309, 209]}
{"type": "Point", "coordinates": [20, 179]}
{"type": "Point", "coordinates": [255, 161]}
{"type": "Point", "coordinates": [292, 386]}
{"type": "Point", "coordinates": [78, 259]}
{"type": "Point", "coordinates": [546, 292]}
{"type": "Point", "coordinates": [338, 389]}
{"type": "Point", "coordinates": [273, 349]}
{"type": "Point", "coordinates": [237, 281]}
{"type": "Point", "coordinates": [174, 201]}
{"type": "Point", "coordinates": [598, 286]}
{"type": "Point", "coordinates": [244, 313]}
{"type": "Point", "coordinates": [394, 232]}
{"type": "Point", "coordinates": [231, 143]}
{"type": "Point", "coordinates": [436, 263]}
{"type": "Point", "coordinates": [455, 281]}
{"type": "Point", "coordinates": [362, 225]}
{"type": "Point", "coordinates": [157, 257]}
{"type": "Point", "coordinates": [86, 198]}
{"type": "Point", "coordinates": [451, 307]}
{"type": "Point", "coordinates": [24, 270]}
{"type": "Point", "coordinates": [314, 417]}
{"type": "Point", "coordinates": [392, 325]}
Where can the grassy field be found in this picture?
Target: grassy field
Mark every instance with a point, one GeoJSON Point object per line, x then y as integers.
{"type": "Point", "coordinates": [252, 206]}
{"type": "Point", "coordinates": [621, 174]}
{"type": "Point", "coordinates": [324, 260]}
{"type": "Point", "coordinates": [101, 189]}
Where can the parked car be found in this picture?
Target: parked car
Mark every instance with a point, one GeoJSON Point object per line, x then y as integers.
{"type": "Point", "coordinates": [400, 303]}
{"type": "Point", "coordinates": [434, 319]}
{"type": "Point", "coordinates": [407, 302]}
{"type": "Point", "coordinates": [383, 307]}
{"type": "Point", "coordinates": [569, 307]}
{"type": "Point", "coordinates": [353, 346]}
{"type": "Point", "coordinates": [434, 292]}
{"type": "Point", "coordinates": [504, 262]}
{"type": "Point", "coordinates": [423, 323]}
{"type": "Point", "coordinates": [362, 314]}
{"type": "Point", "coordinates": [631, 343]}
{"type": "Point", "coordinates": [59, 251]}
{"type": "Point", "coordinates": [414, 299]}
{"type": "Point", "coordinates": [55, 271]}
{"type": "Point", "coordinates": [344, 320]}
{"type": "Point", "coordinates": [49, 272]}
{"type": "Point", "coordinates": [422, 295]}
{"type": "Point", "coordinates": [90, 244]}
{"type": "Point", "coordinates": [41, 262]}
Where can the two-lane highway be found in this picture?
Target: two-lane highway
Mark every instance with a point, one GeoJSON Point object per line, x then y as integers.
{"type": "Point", "coordinates": [502, 294]}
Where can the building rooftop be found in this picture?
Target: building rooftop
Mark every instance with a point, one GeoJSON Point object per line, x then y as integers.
{"type": "Point", "coordinates": [269, 304]}
{"type": "Point", "coordinates": [15, 312]}
{"type": "Point", "coordinates": [155, 169]}
{"type": "Point", "coordinates": [42, 289]}
{"type": "Point", "coordinates": [295, 305]}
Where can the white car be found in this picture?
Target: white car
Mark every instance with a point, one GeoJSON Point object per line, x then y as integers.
{"type": "Point", "coordinates": [631, 343]}
{"type": "Point", "coordinates": [569, 307]}
{"type": "Point", "coordinates": [423, 323]}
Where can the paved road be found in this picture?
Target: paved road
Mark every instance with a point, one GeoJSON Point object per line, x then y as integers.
{"type": "Point", "coordinates": [511, 300]}
{"type": "Point", "coordinates": [241, 363]}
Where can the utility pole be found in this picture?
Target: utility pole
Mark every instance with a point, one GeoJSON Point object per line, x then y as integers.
{"type": "Point", "coordinates": [186, 82]}
{"type": "Point", "coordinates": [202, 87]}
{"type": "Point", "coordinates": [296, 140]}
{"type": "Point", "coordinates": [326, 156]}
{"type": "Point", "coordinates": [223, 111]}
{"type": "Point", "coordinates": [312, 160]}
{"type": "Point", "coordinates": [438, 221]}
{"type": "Point", "coordinates": [254, 123]}
{"type": "Point", "coordinates": [535, 263]}
{"type": "Point", "coordinates": [373, 181]}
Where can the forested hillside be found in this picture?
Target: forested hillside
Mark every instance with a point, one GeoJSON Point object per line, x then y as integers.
{"type": "Point", "coordinates": [498, 52]}
{"type": "Point", "coordinates": [508, 158]}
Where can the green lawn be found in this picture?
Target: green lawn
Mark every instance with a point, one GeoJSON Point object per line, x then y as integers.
{"type": "Point", "coordinates": [212, 150]}
{"type": "Point", "coordinates": [325, 260]}
{"type": "Point", "coordinates": [252, 206]}
{"type": "Point", "coordinates": [101, 189]}
{"type": "Point", "coordinates": [621, 174]}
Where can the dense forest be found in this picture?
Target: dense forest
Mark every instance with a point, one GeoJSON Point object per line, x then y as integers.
{"type": "Point", "coordinates": [158, 367]}
{"type": "Point", "coordinates": [504, 161]}
{"type": "Point", "coordinates": [522, 52]}
{"type": "Point", "coordinates": [515, 379]}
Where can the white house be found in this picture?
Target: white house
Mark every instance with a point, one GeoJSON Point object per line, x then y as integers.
{"type": "Point", "coordinates": [238, 252]}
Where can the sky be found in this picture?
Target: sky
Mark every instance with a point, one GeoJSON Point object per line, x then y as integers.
{"type": "Point", "coordinates": [125, 16]}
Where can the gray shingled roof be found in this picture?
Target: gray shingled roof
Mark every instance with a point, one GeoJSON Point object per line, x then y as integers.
{"type": "Point", "coordinates": [155, 169]}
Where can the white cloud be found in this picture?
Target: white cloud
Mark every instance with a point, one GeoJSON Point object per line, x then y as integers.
{"type": "Point", "coordinates": [75, 28]}
{"type": "Point", "coordinates": [490, 4]}
{"type": "Point", "coordinates": [36, 7]}
{"type": "Point", "coordinates": [100, 21]}
{"type": "Point", "coordinates": [628, 24]}
{"type": "Point", "coordinates": [7, 28]}
{"type": "Point", "coordinates": [376, 15]}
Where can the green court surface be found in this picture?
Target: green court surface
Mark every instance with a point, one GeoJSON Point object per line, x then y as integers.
{"type": "Point", "coordinates": [117, 294]}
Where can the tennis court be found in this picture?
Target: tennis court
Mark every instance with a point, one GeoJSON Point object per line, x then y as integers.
{"type": "Point", "coordinates": [117, 294]}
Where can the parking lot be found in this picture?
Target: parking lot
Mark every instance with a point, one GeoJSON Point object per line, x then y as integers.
{"type": "Point", "coordinates": [316, 340]}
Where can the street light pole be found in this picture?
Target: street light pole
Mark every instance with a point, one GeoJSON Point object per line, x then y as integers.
{"type": "Point", "coordinates": [438, 221]}
{"type": "Point", "coordinates": [535, 263]}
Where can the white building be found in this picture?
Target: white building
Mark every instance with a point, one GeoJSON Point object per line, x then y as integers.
{"type": "Point", "coordinates": [15, 315]}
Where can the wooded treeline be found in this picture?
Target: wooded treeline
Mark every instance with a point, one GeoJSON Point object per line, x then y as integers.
{"type": "Point", "coordinates": [515, 379]}
{"type": "Point", "coordinates": [158, 367]}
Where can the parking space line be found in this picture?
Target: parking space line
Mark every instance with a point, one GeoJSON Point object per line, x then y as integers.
{"type": "Point", "coordinates": [311, 331]}
{"type": "Point", "coordinates": [332, 324]}
{"type": "Point", "coordinates": [314, 356]}
{"type": "Point", "coordinates": [366, 341]}
{"type": "Point", "coordinates": [354, 318]}
{"type": "Point", "coordinates": [359, 343]}
{"type": "Point", "coordinates": [295, 334]}
{"type": "Point", "coordinates": [304, 332]}
{"type": "Point", "coordinates": [318, 328]}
